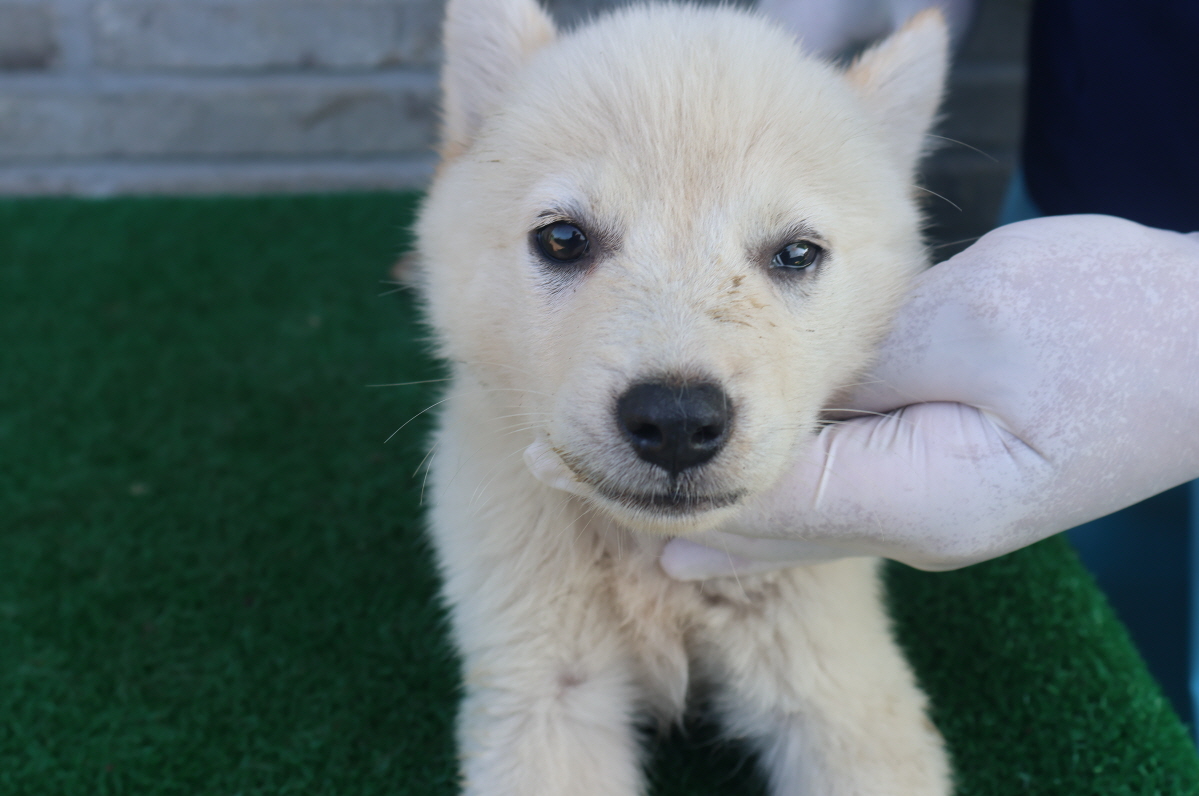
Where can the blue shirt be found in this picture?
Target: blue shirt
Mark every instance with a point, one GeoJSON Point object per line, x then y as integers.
{"type": "Point", "coordinates": [1113, 110]}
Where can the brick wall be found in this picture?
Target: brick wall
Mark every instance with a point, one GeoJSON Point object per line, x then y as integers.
{"type": "Point", "coordinates": [183, 96]}
{"type": "Point", "coordinates": [118, 96]}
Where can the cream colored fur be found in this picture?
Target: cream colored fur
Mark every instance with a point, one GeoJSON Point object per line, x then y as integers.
{"type": "Point", "coordinates": [694, 142]}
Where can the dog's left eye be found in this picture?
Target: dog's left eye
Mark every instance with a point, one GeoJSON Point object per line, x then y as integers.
{"type": "Point", "coordinates": [799, 256]}
{"type": "Point", "coordinates": [562, 242]}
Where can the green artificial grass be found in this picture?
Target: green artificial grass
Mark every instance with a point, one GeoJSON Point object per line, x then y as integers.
{"type": "Point", "coordinates": [212, 576]}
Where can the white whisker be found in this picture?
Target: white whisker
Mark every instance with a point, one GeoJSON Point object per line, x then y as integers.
{"type": "Point", "coordinates": [737, 578]}
{"type": "Point", "coordinates": [992, 158]}
{"type": "Point", "coordinates": [414, 417]}
{"type": "Point", "coordinates": [956, 242]}
{"type": "Point", "coordinates": [410, 383]}
{"type": "Point", "coordinates": [939, 196]}
{"type": "Point", "coordinates": [492, 474]}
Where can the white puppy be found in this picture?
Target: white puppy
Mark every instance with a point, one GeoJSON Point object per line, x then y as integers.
{"type": "Point", "coordinates": [658, 247]}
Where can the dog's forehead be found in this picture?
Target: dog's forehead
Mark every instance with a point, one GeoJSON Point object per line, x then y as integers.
{"type": "Point", "coordinates": [680, 117]}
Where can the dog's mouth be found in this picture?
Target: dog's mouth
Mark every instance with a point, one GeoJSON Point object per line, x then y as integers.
{"type": "Point", "coordinates": [678, 498]}
{"type": "Point", "coordinates": [675, 503]}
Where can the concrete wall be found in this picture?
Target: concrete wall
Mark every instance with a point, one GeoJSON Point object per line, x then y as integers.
{"type": "Point", "coordinates": [117, 96]}
{"type": "Point", "coordinates": [101, 97]}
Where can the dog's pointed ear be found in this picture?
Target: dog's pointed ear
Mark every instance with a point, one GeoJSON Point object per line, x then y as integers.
{"type": "Point", "coordinates": [486, 42]}
{"type": "Point", "coordinates": [902, 80]}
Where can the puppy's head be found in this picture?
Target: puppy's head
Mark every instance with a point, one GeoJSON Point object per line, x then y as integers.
{"type": "Point", "coordinates": [670, 237]}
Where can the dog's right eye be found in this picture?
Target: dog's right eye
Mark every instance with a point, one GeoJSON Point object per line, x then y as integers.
{"type": "Point", "coordinates": [562, 242]}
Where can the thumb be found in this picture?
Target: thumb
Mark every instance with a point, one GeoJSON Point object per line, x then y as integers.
{"type": "Point", "coordinates": [715, 554]}
{"type": "Point", "coordinates": [930, 484]}
{"type": "Point", "coordinates": [547, 467]}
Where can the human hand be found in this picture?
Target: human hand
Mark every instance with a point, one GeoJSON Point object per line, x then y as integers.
{"type": "Point", "coordinates": [1046, 376]}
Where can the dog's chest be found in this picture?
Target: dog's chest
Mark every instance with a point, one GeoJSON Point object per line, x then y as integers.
{"type": "Point", "coordinates": [664, 621]}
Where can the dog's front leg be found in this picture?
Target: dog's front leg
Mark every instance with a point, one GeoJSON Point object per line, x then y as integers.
{"type": "Point", "coordinates": [549, 693]}
{"type": "Point", "coordinates": [544, 730]}
{"type": "Point", "coordinates": [807, 671]}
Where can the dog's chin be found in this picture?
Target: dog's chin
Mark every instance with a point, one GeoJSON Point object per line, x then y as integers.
{"type": "Point", "coordinates": [668, 513]}
{"type": "Point", "coordinates": [640, 500]}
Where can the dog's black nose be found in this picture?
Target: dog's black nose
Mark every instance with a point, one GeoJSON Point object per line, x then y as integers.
{"type": "Point", "coordinates": [672, 425]}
